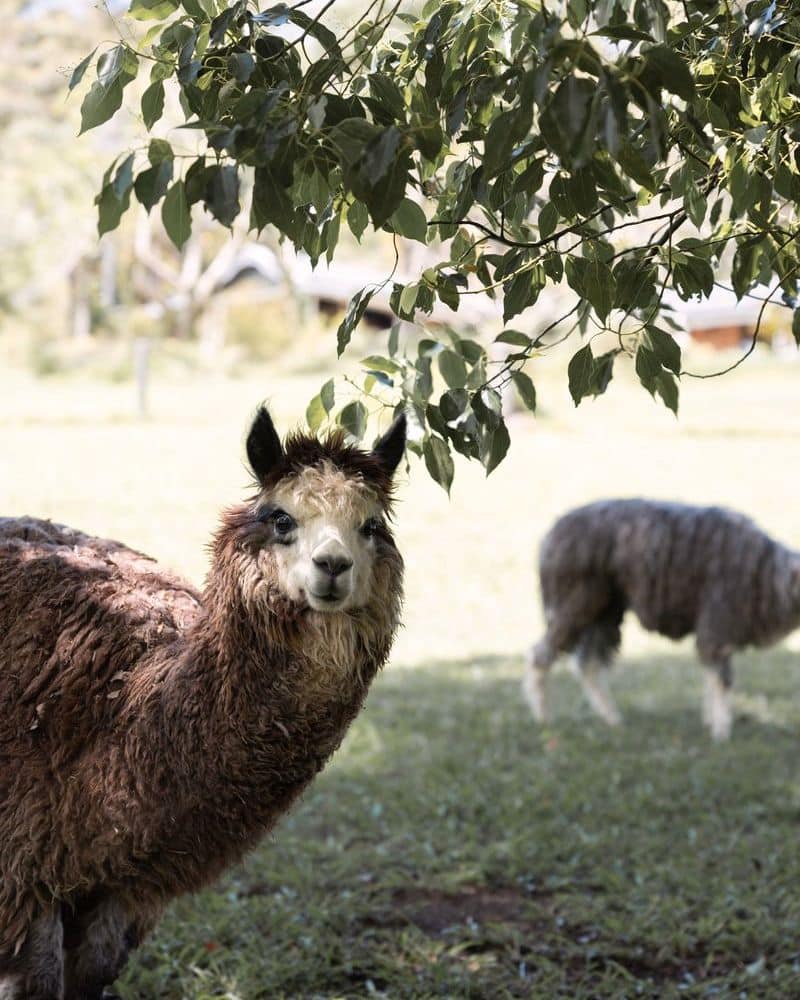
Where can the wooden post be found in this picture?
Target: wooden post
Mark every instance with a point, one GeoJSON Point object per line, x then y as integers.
{"type": "Point", "coordinates": [141, 364]}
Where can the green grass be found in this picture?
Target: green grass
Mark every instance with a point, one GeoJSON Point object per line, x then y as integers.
{"type": "Point", "coordinates": [453, 848]}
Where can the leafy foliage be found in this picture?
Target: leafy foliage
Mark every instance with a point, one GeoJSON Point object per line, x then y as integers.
{"type": "Point", "coordinates": [616, 148]}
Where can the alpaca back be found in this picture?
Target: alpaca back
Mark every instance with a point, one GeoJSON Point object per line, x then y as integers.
{"type": "Point", "coordinates": [74, 612]}
{"type": "Point", "coordinates": [671, 564]}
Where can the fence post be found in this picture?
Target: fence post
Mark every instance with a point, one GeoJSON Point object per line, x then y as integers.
{"type": "Point", "coordinates": [141, 364]}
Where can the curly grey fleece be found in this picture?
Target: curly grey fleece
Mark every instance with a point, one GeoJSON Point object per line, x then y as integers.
{"type": "Point", "coordinates": [680, 568]}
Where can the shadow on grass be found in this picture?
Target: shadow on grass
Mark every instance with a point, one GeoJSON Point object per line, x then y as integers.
{"type": "Point", "coordinates": [456, 849]}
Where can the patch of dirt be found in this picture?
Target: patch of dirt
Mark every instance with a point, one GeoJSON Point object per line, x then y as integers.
{"type": "Point", "coordinates": [434, 911]}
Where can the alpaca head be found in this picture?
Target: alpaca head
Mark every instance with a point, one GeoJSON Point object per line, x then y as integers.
{"type": "Point", "coordinates": [321, 513]}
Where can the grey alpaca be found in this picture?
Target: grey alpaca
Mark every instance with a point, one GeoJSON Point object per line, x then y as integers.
{"type": "Point", "coordinates": [681, 569]}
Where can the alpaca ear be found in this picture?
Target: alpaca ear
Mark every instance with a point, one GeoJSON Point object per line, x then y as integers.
{"type": "Point", "coordinates": [390, 448]}
{"type": "Point", "coordinates": [264, 448]}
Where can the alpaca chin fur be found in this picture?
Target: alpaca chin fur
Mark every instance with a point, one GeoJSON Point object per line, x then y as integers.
{"type": "Point", "coordinates": [152, 734]}
{"type": "Point", "coordinates": [681, 569]}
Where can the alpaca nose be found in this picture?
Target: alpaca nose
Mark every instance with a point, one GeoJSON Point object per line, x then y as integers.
{"type": "Point", "coordinates": [333, 564]}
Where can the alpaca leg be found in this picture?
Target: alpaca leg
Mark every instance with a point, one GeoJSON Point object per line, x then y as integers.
{"type": "Point", "coordinates": [717, 714]}
{"type": "Point", "coordinates": [539, 660]}
{"type": "Point", "coordinates": [593, 674]}
{"type": "Point", "coordinates": [98, 942]}
{"type": "Point", "coordinates": [37, 973]}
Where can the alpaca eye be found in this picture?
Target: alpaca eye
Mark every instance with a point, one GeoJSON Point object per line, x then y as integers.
{"type": "Point", "coordinates": [284, 523]}
{"type": "Point", "coordinates": [370, 528]}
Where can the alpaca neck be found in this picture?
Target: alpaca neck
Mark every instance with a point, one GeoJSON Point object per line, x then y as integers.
{"type": "Point", "coordinates": [251, 711]}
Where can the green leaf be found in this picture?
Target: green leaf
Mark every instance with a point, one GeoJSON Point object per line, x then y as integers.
{"type": "Point", "coordinates": [498, 144]}
{"type": "Point", "coordinates": [438, 461]}
{"type": "Point", "coordinates": [384, 197]}
{"type": "Point", "coordinates": [553, 266]}
{"type": "Point", "coordinates": [667, 389]}
{"type": "Point", "coordinates": [409, 220]}
{"type": "Point", "coordinates": [176, 215]}
{"type": "Point", "coordinates": [153, 103]}
{"type": "Point", "coordinates": [354, 419]}
{"type": "Point", "coordinates": [525, 388]}
{"type": "Point", "coordinates": [648, 367]}
{"type": "Point", "coordinates": [592, 280]}
{"type": "Point", "coordinates": [241, 66]}
{"type": "Point", "coordinates": [355, 310]}
{"type": "Point", "coordinates": [388, 94]}
{"type": "Point", "coordinates": [80, 69]}
{"type": "Point", "coordinates": [665, 348]}
{"type": "Point", "coordinates": [671, 71]}
{"type": "Point", "coordinates": [274, 16]}
{"type": "Point", "coordinates": [100, 104]}
{"type": "Point", "coordinates": [565, 120]}
{"type": "Point", "coordinates": [158, 150]}
{"type": "Point", "coordinates": [590, 376]}
{"type": "Point", "coordinates": [109, 65]}
{"type": "Point", "coordinates": [636, 167]}
{"type": "Point", "coordinates": [494, 447]}
{"type": "Point", "coordinates": [447, 290]}
{"type": "Point", "coordinates": [548, 220]}
{"type": "Point", "coordinates": [634, 284]}
{"type": "Point", "coordinates": [326, 394]}
{"type": "Point", "coordinates": [520, 292]}
{"type": "Point", "coordinates": [152, 10]}
{"type": "Point", "coordinates": [796, 326]}
{"type": "Point", "coordinates": [692, 275]}
{"type": "Point", "coordinates": [453, 403]}
{"type": "Point", "coordinates": [696, 204]}
{"type": "Point", "coordinates": [271, 204]}
{"type": "Point", "coordinates": [487, 405]}
{"type": "Point", "coordinates": [151, 184]}
{"type": "Point", "coordinates": [408, 300]}
{"type": "Point", "coordinates": [394, 339]}
{"type": "Point", "coordinates": [313, 27]}
{"type": "Point", "coordinates": [123, 179]}
{"type": "Point", "coordinates": [377, 363]}
{"type": "Point", "coordinates": [110, 209]}
{"type": "Point", "coordinates": [580, 373]}
{"type": "Point", "coordinates": [320, 406]}
{"type": "Point", "coordinates": [315, 414]}
{"type": "Point", "coordinates": [453, 369]}
{"type": "Point", "coordinates": [222, 194]}
{"type": "Point", "coordinates": [357, 219]}
{"type": "Point", "coordinates": [514, 337]}
{"type": "Point", "coordinates": [199, 10]}
{"type": "Point", "coordinates": [379, 153]}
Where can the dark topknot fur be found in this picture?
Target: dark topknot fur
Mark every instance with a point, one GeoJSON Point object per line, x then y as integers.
{"type": "Point", "coordinates": [302, 452]}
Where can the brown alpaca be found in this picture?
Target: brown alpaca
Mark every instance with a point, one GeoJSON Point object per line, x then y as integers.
{"type": "Point", "coordinates": [151, 735]}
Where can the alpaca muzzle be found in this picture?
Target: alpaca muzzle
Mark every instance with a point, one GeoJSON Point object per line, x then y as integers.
{"type": "Point", "coordinates": [331, 580]}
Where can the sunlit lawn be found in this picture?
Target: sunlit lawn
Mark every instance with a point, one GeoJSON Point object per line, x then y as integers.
{"type": "Point", "coordinates": [453, 848]}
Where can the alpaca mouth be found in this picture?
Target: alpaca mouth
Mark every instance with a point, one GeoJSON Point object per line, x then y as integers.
{"type": "Point", "coordinates": [330, 598]}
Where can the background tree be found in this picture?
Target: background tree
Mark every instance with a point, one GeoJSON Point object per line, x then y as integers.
{"type": "Point", "coordinates": [620, 148]}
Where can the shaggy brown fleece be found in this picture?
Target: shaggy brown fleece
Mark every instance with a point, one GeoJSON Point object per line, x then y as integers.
{"type": "Point", "coordinates": [150, 735]}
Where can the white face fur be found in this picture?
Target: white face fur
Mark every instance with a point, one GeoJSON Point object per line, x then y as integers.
{"type": "Point", "coordinates": [323, 538]}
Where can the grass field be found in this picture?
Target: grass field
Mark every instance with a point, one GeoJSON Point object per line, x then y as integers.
{"type": "Point", "coordinates": [453, 848]}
